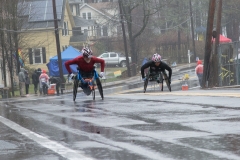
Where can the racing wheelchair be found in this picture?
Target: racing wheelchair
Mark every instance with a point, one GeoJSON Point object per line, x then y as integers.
{"type": "Point", "coordinates": [88, 84]}
{"type": "Point", "coordinates": [159, 76]}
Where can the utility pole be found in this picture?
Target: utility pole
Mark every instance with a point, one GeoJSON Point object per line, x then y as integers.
{"type": "Point", "coordinates": [57, 40]}
{"type": "Point", "coordinates": [3, 59]}
{"type": "Point", "coordinates": [214, 60]}
{"type": "Point", "coordinates": [193, 41]}
{"type": "Point", "coordinates": [208, 42]}
{"type": "Point", "coordinates": [124, 37]}
{"type": "Point", "coordinates": [219, 20]}
{"type": "Point", "coordinates": [11, 63]}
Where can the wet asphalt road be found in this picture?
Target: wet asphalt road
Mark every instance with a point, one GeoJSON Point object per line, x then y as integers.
{"type": "Point", "coordinates": [191, 125]}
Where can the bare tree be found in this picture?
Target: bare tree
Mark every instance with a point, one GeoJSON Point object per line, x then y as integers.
{"type": "Point", "coordinates": [14, 16]}
{"type": "Point", "coordinates": [137, 14]}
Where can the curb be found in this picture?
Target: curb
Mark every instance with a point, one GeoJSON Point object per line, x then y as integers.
{"type": "Point", "coordinates": [175, 86]}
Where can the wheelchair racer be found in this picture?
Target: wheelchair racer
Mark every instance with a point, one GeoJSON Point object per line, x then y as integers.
{"type": "Point", "coordinates": [156, 66]}
{"type": "Point", "coordinates": [85, 64]}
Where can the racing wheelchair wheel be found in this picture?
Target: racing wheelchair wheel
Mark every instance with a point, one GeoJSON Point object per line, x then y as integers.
{"type": "Point", "coordinates": [75, 88]}
{"type": "Point", "coordinates": [146, 83]}
{"type": "Point", "coordinates": [99, 85]}
{"type": "Point", "coordinates": [167, 81]}
{"type": "Point", "coordinates": [93, 90]}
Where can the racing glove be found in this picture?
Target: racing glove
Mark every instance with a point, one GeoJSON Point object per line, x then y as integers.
{"type": "Point", "coordinates": [144, 79]}
{"type": "Point", "coordinates": [102, 74]}
{"type": "Point", "coordinates": [71, 75]}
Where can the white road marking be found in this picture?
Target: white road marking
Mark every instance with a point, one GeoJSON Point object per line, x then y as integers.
{"type": "Point", "coordinates": [45, 142]}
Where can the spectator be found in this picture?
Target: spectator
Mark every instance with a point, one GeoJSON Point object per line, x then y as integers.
{"type": "Point", "coordinates": [35, 80]}
{"type": "Point", "coordinates": [199, 72]}
{"type": "Point", "coordinates": [39, 72]}
{"type": "Point", "coordinates": [44, 80]}
{"type": "Point", "coordinates": [22, 80]}
{"type": "Point", "coordinates": [27, 82]}
{"type": "Point", "coordinates": [57, 81]}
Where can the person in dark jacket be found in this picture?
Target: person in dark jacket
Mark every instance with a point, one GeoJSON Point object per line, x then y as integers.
{"type": "Point", "coordinates": [27, 82]}
{"type": "Point", "coordinates": [156, 66]}
{"type": "Point", "coordinates": [35, 80]}
{"type": "Point", "coordinates": [22, 80]}
{"type": "Point", "coordinates": [57, 81]}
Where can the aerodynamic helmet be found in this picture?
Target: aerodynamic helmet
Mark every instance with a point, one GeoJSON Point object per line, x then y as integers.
{"type": "Point", "coordinates": [87, 52]}
{"type": "Point", "coordinates": [156, 57]}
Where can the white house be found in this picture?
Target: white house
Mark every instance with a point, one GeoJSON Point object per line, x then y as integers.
{"type": "Point", "coordinates": [104, 14]}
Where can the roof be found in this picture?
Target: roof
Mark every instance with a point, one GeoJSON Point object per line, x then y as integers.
{"type": "Point", "coordinates": [81, 22]}
{"type": "Point", "coordinates": [101, 8]}
{"type": "Point", "coordinates": [39, 13]}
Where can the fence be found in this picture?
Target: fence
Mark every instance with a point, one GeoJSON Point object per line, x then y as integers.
{"type": "Point", "coordinates": [229, 64]}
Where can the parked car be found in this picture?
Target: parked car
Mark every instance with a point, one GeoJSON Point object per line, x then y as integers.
{"type": "Point", "coordinates": [114, 59]}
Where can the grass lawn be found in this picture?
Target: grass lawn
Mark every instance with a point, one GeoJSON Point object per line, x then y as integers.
{"type": "Point", "coordinates": [31, 90]}
{"type": "Point", "coordinates": [110, 73]}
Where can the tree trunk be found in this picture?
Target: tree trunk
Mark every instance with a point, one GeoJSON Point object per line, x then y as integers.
{"type": "Point", "coordinates": [124, 39]}
{"type": "Point", "coordinates": [4, 60]}
{"type": "Point", "coordinates": [134, 56]}
{"type": "Point", "coordinates": [11, 68]}
{"type": "Point", "coordinates": [179, 46]}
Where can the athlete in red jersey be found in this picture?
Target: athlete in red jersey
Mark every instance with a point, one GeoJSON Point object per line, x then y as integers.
{"type": "Point", "coordinates": [86, 67]}
{"type": "Point", "coordinates": [85, 62]}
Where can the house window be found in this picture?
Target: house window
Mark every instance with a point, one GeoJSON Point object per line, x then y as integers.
{"type": "Point", "coordinates": [84, 15]}
{"type": "Point", "coordinates": [77, 10]}
{"type": "Point", "coordinates": [64, 47]}
{"type": "Point", "coordinates": [37, 55]}
{"type": "Point", "coordinates": [65, 31]}
{"type": "Point", "coordinates": [89, 15]}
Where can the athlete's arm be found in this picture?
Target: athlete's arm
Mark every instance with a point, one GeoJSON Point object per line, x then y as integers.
{"type": "Point", "coordinates": [69, 62]}
{"type": "Point", "coordinates": [101, 61]}
{"type": "Point", "coordinates": [146, 65]}
{"type": "Point", "coordinates": [169, 69]}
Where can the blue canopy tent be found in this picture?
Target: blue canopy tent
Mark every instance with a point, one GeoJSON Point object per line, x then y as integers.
{"type": "Point", "coordinates": [67, 54]}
